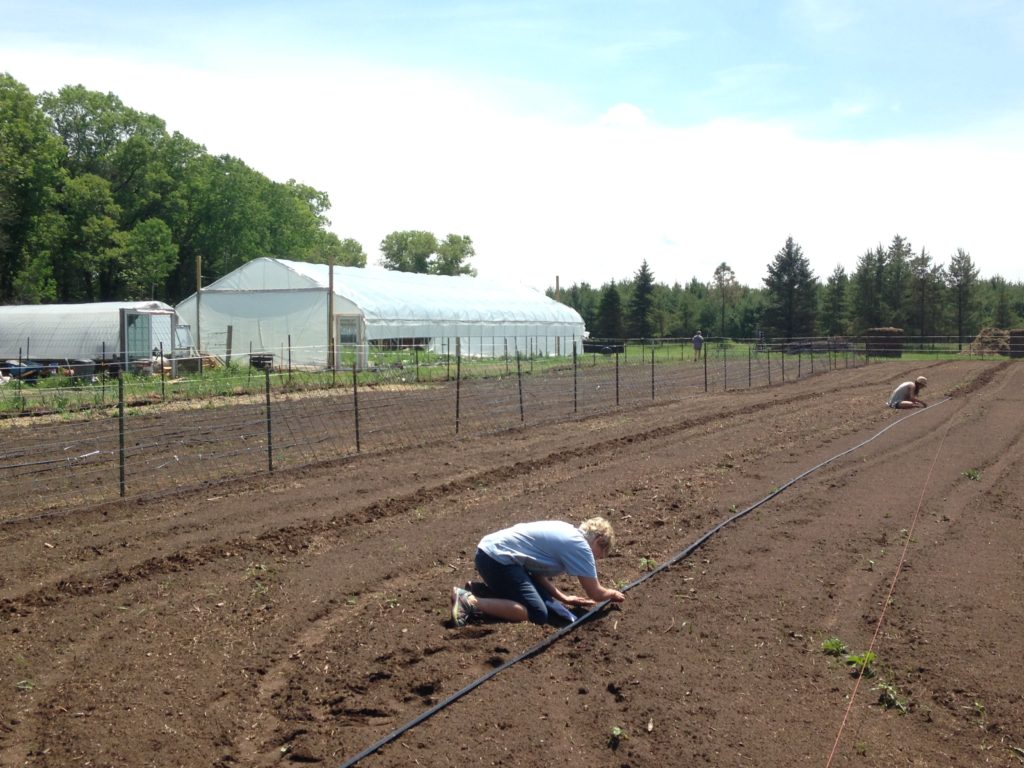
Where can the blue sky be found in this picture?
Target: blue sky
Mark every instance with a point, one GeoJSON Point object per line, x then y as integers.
{"type": "Point", "coordinates": [574, 139]}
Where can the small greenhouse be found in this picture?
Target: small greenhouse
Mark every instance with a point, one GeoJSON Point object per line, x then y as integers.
{"type": "Point", "coordinates": [99, 332]}
{"type": "Point", "coordinates": [287, 308]}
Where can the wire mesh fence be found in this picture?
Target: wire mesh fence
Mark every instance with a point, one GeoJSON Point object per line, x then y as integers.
{"type": "Point", "coordinates": [148, 436]}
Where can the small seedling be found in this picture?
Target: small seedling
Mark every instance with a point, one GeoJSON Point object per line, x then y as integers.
{"type": "Point", "coordinates": [871, 565]}
{"type": "Point", "coordinates": [861, 664]}
{"type": "Point", "coordinates": [617, 736]}
{"type": "Point", "coordinates": [647, 564]}
{"type": "Point", "coordinates": [833, 646]}
{"type": "Point", "coordinates": [979, 710]}
{"type": "Point", "coordinates": [25, 685]}
{"type": "Point", "coordinates": [972, 474]}
{"type": "Point", "coordinates": [889, 697]}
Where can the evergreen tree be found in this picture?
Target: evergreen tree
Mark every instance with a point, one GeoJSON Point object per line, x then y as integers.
{"type": "Point", "coordinates": [641, 304]}
{"type": "Point", "coordinates": [834, 303]}
{"type": "Point", "coordinates": [868, 283]}
{"type": "Point", "coordinates": [792, 293]}
{"type": "Point", "coordinates": [609, 323]}
{"type": "Point", "coordinates": [962, 277]}
{"type": "Point", "coordinates": [725, 288]}
{"type": "Point", "coordinates": [925, 288]}
{"type": "Point", "coordinates": [896, 286]}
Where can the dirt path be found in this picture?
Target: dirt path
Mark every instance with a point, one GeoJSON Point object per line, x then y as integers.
{"type": "Point", "coordinates": [300, 617]}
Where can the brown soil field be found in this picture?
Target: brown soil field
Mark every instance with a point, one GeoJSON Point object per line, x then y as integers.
{"type": "Point", "coordinates": [302, 616]}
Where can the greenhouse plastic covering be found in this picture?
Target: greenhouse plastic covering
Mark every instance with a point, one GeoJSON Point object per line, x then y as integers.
{"type": "Point", "coordinates": [269, 303]}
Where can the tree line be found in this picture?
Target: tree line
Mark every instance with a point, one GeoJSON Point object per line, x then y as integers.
{"type": "Point", "coordinates": [99, 202]}
{"type": "Point", "coordinates": [891, 286]}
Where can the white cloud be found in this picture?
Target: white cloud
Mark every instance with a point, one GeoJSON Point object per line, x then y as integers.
{"type": "Point", "coordinates": [542, 197]}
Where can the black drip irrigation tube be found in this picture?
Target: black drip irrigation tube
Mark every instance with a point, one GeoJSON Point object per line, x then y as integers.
{"type": "Point", "coordinates": [597, 609]}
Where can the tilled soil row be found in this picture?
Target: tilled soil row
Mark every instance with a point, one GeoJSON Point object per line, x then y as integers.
{"type": "Point", "coordinates": [303, 617]}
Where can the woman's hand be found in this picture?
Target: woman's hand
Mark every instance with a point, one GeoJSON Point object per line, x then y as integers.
{"type": "Point", "coordinates": [582, 602]}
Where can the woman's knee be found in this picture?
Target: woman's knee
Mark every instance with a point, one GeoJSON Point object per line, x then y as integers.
{"type": "Point", "coordinates": [537, 614]}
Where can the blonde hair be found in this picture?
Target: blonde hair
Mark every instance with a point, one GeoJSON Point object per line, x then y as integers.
{"type": "Point", "coordinates": [599, 530]}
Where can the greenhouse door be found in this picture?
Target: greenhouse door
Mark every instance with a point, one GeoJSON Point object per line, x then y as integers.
{"type": "Point", "coordinates": [349, 335]}
{"type": "Point", "coordinates": [144, 333]}
{"type": "Point", "coordinates": [136, 336]}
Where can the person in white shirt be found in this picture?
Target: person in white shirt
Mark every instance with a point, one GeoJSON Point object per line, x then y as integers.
{"type": "Point", "coordinates": [906, 394]}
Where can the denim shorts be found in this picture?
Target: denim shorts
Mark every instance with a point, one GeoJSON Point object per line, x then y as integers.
{"type": "Point", "coordinates": [513, 582]}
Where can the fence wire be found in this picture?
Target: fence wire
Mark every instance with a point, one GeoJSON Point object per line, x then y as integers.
{"type": "Point", "coordinates": [160, 438]}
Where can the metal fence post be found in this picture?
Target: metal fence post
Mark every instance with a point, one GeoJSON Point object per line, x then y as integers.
{"type": "Point", "coordinates": [355, 401]}
{"type": "Point", "coordinates": [270, 425]}
{"type": "Point", "coordinates": [120, 432]}
{"type": "Point", "coordinates": [519, 377]}
{"type": "Point", "coordinates": [652, 370]}
{"type": "Point", "coordinates": [458, 385]}
{"type": "Point", "coordinates": [617, 377]}
{"type": "Point", "coordinates": [575, 385]}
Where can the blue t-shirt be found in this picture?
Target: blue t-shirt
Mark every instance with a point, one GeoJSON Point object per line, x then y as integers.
{"type": "Point", "coordinates": [548, 547]}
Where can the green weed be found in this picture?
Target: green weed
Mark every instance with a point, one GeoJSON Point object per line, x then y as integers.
{"type": "Point", "coordinates": [648, 564]}
{"type": "Point", "coordinates": [972, 474]}
{"type": "Point", "coordinates": [861, 664]}
{"type": "Point", "coordinates": [833, 646]}
{"type": "Point", "coordinates": [888, 697]}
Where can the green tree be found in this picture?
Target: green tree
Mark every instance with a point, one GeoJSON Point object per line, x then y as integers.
{"type": "Point", "coordinates": [725, 288]}
{"type": "Point", "coordinates": [868, 284]}
{"type": "Point", "coordinates": [792, 293]}
{"type": "Point", "coordinates": [639, 324]}
{"type": "Point", "coordinates": [347, 252]}
{"type": "Point", "coordinates": [609, 323]}
{"type": "Point", "coordinates": [30, 174]}
{"type": "Point", "coordinates": [926, 284]}
{"type": "Point", "coordinates": [896, 305]}
{"type": "Point", "coordinates": [962, 278]}
{"type": "Point", "coordinates": [146, 255]}
{"type": "Point", "coordinates": [83, 256]}
{"type": "Point", "coordinates": [408, 251]}
{"type": "Point", "coordinates": [834, 303]}
{"type": "Point", "coordinates": [453, 256]}
{"type": "Point", "coordinates": [1001, 314]}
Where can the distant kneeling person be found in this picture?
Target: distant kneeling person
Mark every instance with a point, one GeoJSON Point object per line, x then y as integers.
{"type": "Point", "coordinates": [905, 395]}
{"type": "Point", "coordinates": [518, 563]}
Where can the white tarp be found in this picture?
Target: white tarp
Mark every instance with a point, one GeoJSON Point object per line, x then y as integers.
{"type": "Point", "coordinates": [77, 331]}
{"type": "Point", "coordinates": [281, 307]}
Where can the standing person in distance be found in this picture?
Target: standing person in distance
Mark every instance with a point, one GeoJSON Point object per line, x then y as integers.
{"type": "Point", "coordinates": [518, 563]}
{"type": "Point", "coordinates": [698, 343]}
{"type": "Point", "coordinates": [906, 394]}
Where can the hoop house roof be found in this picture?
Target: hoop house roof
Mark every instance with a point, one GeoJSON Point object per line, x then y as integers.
{"type": "Point", "coordinates": [70, 331]}
{"type": "Point", "coordinates": [383, 295]}
{"type": "Point", "coordinates": [267, 300]}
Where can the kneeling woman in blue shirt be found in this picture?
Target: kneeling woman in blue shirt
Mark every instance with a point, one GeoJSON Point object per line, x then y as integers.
{"type": "Point", "coordinates": [518, 563]}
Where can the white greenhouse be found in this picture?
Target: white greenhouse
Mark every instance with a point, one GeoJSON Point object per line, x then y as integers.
{"type": "Point", "coordinates": [282, 308]}
{"type": "Point", "coordinates": [99, 332]}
